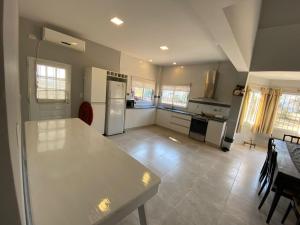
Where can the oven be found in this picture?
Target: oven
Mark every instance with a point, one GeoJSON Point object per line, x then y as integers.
{"type": "Point", "coordinates": [198, 128]}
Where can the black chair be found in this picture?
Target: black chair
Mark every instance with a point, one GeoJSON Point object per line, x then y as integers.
{"type": "Point", "coordinates": [271, 147]}
{"type": "Point", "coordinates": [271, 166]}
{"type": "Point", "coordinates": [295, 204]}
{"type": "Point", "coordinates": [291, 138]}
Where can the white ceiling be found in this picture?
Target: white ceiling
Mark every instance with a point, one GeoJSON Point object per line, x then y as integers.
{"type": "Point", "coordinates": [277, 75]}
{"type": "Point", "coordinates": [194, 30]}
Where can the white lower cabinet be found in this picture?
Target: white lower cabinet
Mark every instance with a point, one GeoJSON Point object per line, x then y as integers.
{"type": "Point", "coordinates": [174, 121]}
{"type": "Point", "coordinates": [163, 118]}
{"type": "Point", "coordinates": [139, 117]}
{"type": "Point", "coordinates": [215, 132]}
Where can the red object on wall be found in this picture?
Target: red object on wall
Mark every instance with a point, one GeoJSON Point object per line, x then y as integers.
{"type": "Point", "coordinates": [86, 112]}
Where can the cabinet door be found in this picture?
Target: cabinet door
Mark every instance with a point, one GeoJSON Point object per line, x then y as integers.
{"type": "Point", "coordinates": [215, 132]}
{"type": "Point", "coordinates": [98, 85]}
{"type": "Point", "coordinates": [163, 118]}
{"type": "Point", "coordinates": [99, 117]}
{"type": "Point", "coordinates": [181, 123]}
{"type": "Point", "coordinates": [139, 117]}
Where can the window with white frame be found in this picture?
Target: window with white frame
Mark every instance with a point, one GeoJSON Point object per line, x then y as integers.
{"type": "Point", "coordinates": [175, 95]}
{"type": "Point", "coordinates": [288, 114]}
{"type": "Point", "coordinates": [253, 105]}
{"type": "Point", "coordinates": [51, 83]}
{"type": "Point", "coordinates": [143, 90]}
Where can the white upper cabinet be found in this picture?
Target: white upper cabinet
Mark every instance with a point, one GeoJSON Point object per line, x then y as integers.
{"type": "Point", "coordinates": [95, 85]}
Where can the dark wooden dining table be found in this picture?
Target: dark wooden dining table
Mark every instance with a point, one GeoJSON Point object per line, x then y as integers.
{"type": "Point", "coordinates": [287, 175]}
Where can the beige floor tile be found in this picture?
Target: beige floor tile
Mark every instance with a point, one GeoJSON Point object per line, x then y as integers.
{"type": "Point", "coordinates": [201, 185]}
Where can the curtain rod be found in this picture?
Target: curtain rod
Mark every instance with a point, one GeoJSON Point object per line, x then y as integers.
{"type": "Point", "coordinates": [284, 89]}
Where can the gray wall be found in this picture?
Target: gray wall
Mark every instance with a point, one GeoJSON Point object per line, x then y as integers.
{"type": "Point", "coordinates": [10, 168]}
{"type": "Point", "coordinates": [277, 42]}
{"type": "Point", "coordinates": [194, 75]}
{"type": "Point", "coordinates": [95, 55]}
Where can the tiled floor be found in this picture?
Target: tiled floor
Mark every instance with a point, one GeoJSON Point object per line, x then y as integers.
{"type": "Point", "coordinates": [201, 185]}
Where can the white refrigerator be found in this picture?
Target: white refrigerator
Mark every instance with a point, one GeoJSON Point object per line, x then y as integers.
{"type": "Point", "coordinates": [115, 111]}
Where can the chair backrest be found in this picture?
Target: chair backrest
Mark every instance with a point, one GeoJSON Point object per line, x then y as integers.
{"type": "Point", "coordinates": [271, 147]}
{"type": "Point", "coordinates": [272, 164]}
{"type": "Point", "coordinates": [291, 138]}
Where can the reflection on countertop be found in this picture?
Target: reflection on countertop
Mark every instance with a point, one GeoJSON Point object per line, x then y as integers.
{"type": "Point", "coordinates": [142, 107]}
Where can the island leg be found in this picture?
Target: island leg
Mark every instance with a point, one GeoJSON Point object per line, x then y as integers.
{"type": "Point", "coordinates": [142, 215]}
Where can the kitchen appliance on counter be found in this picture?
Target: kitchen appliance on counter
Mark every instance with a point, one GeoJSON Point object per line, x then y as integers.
{"type": "Point", "coordinates": [116, 100]}
{"type": "Point", "coordinates": [198, 128]}
{"type": "Point", "coordinates": [129, 104]}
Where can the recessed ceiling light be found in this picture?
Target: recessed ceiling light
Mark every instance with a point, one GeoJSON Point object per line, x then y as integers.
{"type": "Point", "coordinates": [150, 60]}
{"type": "Point", "coordinates": [164, 47]}
{"type": "Point", "coordinates": [117, 21]}
{"type": "Point", "coordinates": [174, 63]}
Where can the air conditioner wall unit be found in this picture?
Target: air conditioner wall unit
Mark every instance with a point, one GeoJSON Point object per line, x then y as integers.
{"type": "Point", "coordinates": [63, 39]}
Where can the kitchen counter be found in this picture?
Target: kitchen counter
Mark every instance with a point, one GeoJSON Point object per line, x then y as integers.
{"type": "Point", "coordinates": [221, 120]}
{"type": "Point", "coordinates": [177, 111]}
{"type": "Point", "coordinates": [76, 176]}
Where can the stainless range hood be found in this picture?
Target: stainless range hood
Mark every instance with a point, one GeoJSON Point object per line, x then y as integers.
{"type": "Point", "coordinates": [210, 84]}
{"type": "Point", "coordinates": [210, 79]}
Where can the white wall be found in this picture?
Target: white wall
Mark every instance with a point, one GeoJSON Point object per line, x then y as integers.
{"type": "Point", "coordinates": [132, 66]}
{"type": "Point", "coordinates": [254, 80]}
{"type": "Point", "coordinates": [194, 75]}
{"type": "Point", "coordinates": [12, 210]}
{"type": "Point", "coordinates": [243, 18]}
{"type": "Point", "coordinates": [189, 74]}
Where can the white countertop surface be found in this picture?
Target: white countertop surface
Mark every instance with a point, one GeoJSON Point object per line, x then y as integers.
{"type": "Point", "coordinates": [78, 177]}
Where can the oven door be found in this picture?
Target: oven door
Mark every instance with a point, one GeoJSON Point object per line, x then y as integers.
{"type": "Point", "coordinates": [198, 128]}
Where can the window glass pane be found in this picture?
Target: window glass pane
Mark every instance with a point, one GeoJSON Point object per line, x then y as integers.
{"type": "Point", "coordinates": [288, 114]}
{"type": "Point", "coordinates": [61, 95]}
{"type": "Point", "coordinates": [61, 84]}
{"type": "Point", "coordinates": [50, 71]}
{"type": "Point", "coordinates": [180, 98]}
{"type": "Point", "coordinates": [51, 94]}
{"type": "Point", "coordinates": [41, 70]}
{"type": "Point", "coordinates": [167, 97]}
{"type": "Point", "coordinates": [148, 92]}
{"type": "Point", "coordinates": [142, 90]}
{"type": "Point", "coordinates": [51, 83]}
{"type": "Point", "coordinates": [41, 83]}
{"type": "Point", "coordinates": [61, 73]}
{"type": "Point", "coordinates": [175, 95]}
{"type": "Point", "coordinates": [138, 93]}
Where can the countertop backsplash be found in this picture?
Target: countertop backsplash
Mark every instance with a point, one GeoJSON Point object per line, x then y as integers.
{"type": "Point", "coordinates": [208, 109]}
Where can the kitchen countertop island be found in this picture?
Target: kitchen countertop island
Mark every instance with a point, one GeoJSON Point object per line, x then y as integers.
{"type": "Point", "coordinates": [76, 176]}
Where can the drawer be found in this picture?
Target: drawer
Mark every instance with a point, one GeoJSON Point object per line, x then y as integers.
{"type": "Point", "coordinates": [181, 116]}
{"type": "Point", "coordinates": [180, 121]}
{"type": "Point", "coordinates": [179, 128]}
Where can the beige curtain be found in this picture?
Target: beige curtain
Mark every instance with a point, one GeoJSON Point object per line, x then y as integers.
{"type": "Point", "coordinates": [267, 110]}
{"type": "Point", "coordinates": [244, 109]}
{"type": "Point", "coordinates": [270, 111]}
{"type": "Point", "coordinates": [261, 110]}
